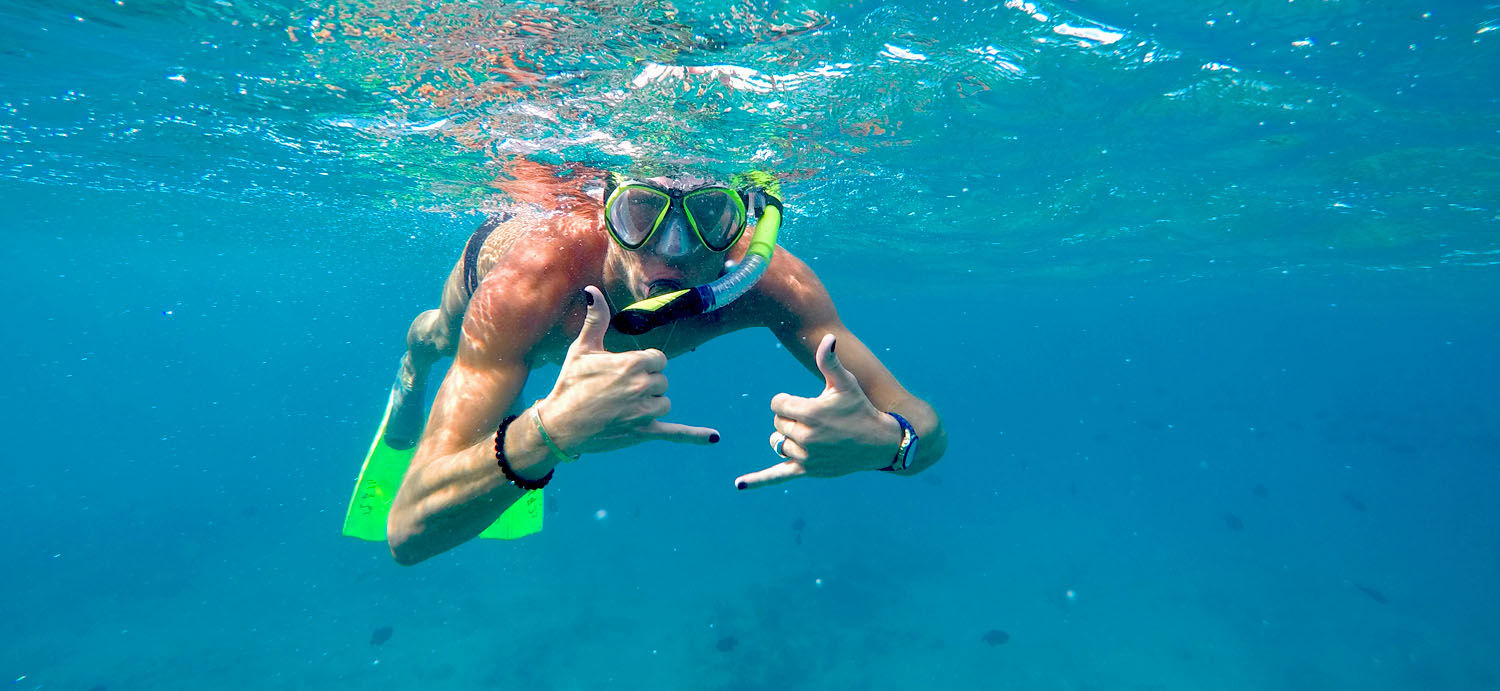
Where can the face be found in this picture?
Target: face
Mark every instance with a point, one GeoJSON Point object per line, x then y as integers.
{"type": "Point", "coordinates": [673, 258]}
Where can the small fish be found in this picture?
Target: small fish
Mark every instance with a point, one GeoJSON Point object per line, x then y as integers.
{"type": "Point", "coordinates": [726, 643]}
{"type": "Point", "coordinates": [1372, 593]}
{"type": "Point", "coordinates": [1234, 522]}
{"type": "Point", "coordinates": [995, 637]}
{"type": "Point", "coordinates": [381, 635]}
{"type": "Point", "coordinates": [1352, 501]}
{"type": "Point", "coordinates": [1261, 491]}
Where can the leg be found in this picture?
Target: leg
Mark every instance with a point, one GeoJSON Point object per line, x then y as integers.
{"type": "Point", "coordinates": [433, 335]}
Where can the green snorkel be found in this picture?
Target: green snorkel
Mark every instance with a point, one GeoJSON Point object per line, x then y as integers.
{"type": "Point", "coordinates": [664, 309]}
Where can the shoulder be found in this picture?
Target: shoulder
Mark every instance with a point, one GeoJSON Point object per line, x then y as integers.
{"type": "Point", "coordinates": [541, 265]}
{"type": "Point", "coordinates": [529, 241]}
{"type": "Point", "coordinates": [787, 296]}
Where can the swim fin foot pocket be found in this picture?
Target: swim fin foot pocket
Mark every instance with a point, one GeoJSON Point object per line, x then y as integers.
{"type": "Point", "coordinates": [385, 465]}
{"type": "Point", "coordinates": [405, 425]}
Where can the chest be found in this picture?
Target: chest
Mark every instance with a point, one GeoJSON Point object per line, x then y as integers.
{"type": "Point", "coordinates": [682, 336]}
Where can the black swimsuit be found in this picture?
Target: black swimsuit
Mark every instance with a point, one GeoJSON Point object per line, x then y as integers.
{"type": "Point", "coordinates": [476, 242]}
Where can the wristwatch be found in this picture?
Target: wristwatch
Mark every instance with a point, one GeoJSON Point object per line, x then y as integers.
{"type": "Point", "coordinates": [908, 449]}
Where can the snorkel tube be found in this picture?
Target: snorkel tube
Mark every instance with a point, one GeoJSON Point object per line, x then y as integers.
{"type": "Point", "coordinates": [664, 309]}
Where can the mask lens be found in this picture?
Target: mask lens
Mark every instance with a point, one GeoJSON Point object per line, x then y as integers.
{"type": "Point", "coordinates": [633, 214]}
{"type": "Point", "coordinates": [718, 215]}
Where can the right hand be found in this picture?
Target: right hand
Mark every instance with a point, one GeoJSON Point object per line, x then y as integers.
{"type": "Point", "coordinates": [604, 401]}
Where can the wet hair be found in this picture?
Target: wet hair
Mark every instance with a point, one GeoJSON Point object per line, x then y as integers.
{"type": "Point", "coordinates": [687, 181]}
{"type": "Point", "coordinates": [678, 180]}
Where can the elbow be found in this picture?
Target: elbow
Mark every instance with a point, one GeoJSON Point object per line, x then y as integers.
{"type": "Point", "coordinates": [405, 547]}
{"type": "Point", "coordinates": [404, 555]}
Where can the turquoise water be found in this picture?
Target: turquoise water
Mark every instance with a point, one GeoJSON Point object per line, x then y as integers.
{"type": "Point", "coordinates": [1204, 291]}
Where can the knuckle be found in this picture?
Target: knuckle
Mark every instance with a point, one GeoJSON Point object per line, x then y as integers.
{"type": "Point", "coordinates": [652, 408]}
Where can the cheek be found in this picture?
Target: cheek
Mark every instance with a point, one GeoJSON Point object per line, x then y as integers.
{"type": "Point", "coordinates": [709, 270]}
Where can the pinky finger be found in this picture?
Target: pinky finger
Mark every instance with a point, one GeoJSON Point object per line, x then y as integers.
{"type": "Point", "coordinates": [774, 475]}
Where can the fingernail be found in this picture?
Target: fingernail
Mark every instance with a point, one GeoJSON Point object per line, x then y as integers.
{"type": "Point", "coordinates": [588, 298]}
{"type": "Point", "coordinates": [741, 484]}
{"type": "Point", "coordinates": [713, 438]}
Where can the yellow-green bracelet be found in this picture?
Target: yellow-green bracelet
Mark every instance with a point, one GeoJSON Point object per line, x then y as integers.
{"type": "Point", "coordinates": [536, 419]}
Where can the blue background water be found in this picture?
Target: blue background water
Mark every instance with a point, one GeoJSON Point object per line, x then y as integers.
{"type": "Point", "coordinates": [1235, 391]}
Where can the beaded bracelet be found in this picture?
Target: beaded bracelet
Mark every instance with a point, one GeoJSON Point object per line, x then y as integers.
{"type": "Point", "coordinates": [510, 473]}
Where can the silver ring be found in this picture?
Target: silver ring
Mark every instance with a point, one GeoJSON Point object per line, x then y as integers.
{"type": "Point", "coordinates": [780, 443]}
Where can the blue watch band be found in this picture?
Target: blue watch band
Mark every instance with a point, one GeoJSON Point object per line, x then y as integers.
{"type": "Point", "coordinates": [908, 449]}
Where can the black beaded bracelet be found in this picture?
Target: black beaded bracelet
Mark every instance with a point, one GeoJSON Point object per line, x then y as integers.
{"type": "Point", "coordinates": [510, 473]}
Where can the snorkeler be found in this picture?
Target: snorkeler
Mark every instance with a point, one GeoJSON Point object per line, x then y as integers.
{"type": "Point", "coordinates": [611, 293]}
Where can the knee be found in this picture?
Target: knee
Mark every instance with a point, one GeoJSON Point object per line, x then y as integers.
{"type": "Point", "coordinates": [430, 335]}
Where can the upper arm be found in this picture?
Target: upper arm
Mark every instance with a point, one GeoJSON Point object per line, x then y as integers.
{"type": "Point", "coordinates": [798, 309]}
{"type": "Point", "coordinates": [514, 308]}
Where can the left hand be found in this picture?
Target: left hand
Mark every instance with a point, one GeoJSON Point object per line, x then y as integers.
{"type": "Point", "coordinates": [837, 433]}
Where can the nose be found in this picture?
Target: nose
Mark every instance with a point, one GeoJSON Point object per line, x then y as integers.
{"type": "Point", "coordinates": [672, 239]}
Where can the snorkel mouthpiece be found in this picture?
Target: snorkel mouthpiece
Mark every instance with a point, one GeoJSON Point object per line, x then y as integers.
{"type": "Point", "coordinates": [664, 309]}
{"type": "Point", "coordinates": [650, 313]}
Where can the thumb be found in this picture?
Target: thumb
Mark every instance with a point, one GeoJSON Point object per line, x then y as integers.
{"type": "Point", "coordinates": [835, 377]}
{"type": "Point", "coordinates": [595, 323]}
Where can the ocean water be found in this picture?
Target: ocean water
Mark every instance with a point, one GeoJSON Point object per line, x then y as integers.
{"type": "Point", "coordinates": [1205, 293]}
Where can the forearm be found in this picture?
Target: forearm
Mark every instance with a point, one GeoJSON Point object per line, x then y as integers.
{"type": "Point", "coordinates": [449, 500]}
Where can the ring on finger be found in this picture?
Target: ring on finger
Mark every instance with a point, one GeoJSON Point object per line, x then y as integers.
{"type": "Point", "coordinates": [779, 445]}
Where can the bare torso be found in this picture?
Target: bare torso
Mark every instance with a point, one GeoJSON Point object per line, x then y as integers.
{"type": "Point", "coordinates": [531, 233]}
{"type": "Point", "coordinates": [531, 308]}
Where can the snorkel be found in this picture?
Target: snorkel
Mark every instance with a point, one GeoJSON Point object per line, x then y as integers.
{"type": "Point", "coordinates": [664, 309]}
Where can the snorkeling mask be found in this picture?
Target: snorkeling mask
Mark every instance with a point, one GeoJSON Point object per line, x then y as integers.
{"type": "Point", "coordinates": [634, 211]}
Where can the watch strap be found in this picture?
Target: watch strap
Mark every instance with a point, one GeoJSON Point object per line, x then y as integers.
{"type": "Point", "coordinates": [908, 448]}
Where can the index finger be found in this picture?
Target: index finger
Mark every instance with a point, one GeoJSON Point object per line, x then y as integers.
{"type": "Point", "coordinates": [651, 360]}
{"type": "Point", "coordinates": [787, 405]}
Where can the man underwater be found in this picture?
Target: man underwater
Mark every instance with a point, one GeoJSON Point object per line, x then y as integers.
{"type": "Point", "coordinates": [542, 288]}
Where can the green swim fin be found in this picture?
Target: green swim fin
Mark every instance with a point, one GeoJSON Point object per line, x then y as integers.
{"type": "Point", "coordinates": [381, 476]}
